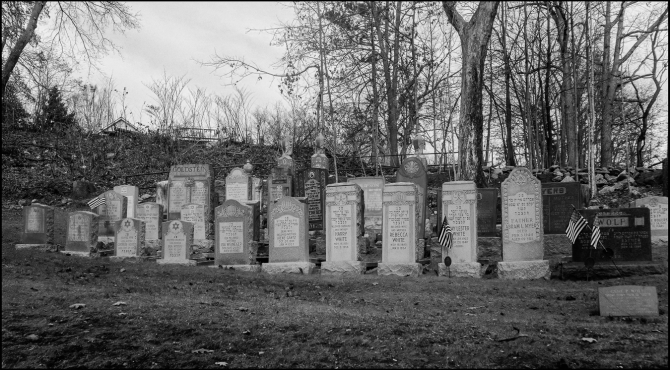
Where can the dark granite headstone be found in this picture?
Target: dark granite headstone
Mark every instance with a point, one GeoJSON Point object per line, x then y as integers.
{"type": "Point", "coordinates": [628, 300]}
{"type": "Point", "coordinates": [487, 200]}
{"type": "Point", "coordinates": [626, 231]}
{"type": "Point", "coordinates": [413, 170]}
{"type": "Point", "coordinates": [311, 183]}
{"type": "Point", "coordinates": [38, 224]}
{"type": "Point", "coordinates": [558, 199]}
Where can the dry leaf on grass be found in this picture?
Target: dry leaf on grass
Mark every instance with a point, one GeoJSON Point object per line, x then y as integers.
{"type": "Point", "coordinates": [202, 350]}
{"type": "Point", "coordinates": [122, 270]}
{"type": "Point", "coordinates": [243, 309]}
{"type": "Point", "coordinates": [221, 363]}
{"type": "Point", "coordinates": [589, 340]}
{"type": "Point", "coordinates": [120, 303]}
{"type": "Point", "coordinates": [77, 306]}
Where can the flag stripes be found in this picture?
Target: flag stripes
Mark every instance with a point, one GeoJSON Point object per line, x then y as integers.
{"type": "Point", "coordinates": [446, 238]}
{"type": "Point", "coordinates": [595, 234]}
{"type": "Point", "coordinates": [96, 202]}
{"type": "Point", "coordinates": [575, 226]}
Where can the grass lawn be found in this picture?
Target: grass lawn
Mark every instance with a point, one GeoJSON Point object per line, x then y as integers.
{"type": "Point", "coordinates": [179, 316]}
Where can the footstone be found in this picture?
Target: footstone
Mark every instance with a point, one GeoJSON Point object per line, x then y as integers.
{"type": "Point", "coordinates": [38, 225]}
{"type": "Point", "coordinates": [524, 270]}
{"type": "Point", "coordinates": [399, 269]}
{"type": "Point", "coordinates": [242, 268]}
{"type": "Point", "coordinates": [39, 247]}
{"type": "Point", "coordinates": [82, 232]}
{"type": "Point", "coordinates": [305, 268]}
{"type": "Point", "coordinates": [464, 269]}
{"type": "Point", "coordinates": [628, 300]}
{"type": "Point", "coordinates": [522, 223]}
{"type": "Point", "coordinates": [342, 267]}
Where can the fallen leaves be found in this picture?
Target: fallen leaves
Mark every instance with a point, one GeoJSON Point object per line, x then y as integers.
{"type": "Point", "coordinates": [243, 309]}
{"type": "Point", "coordinates": [77, 306]}
{"type": "Point", "coordinates": [202, 350]}
{"type": "Point", "coordinates": [32, 337]}
{"type": "Point", "coordinates": [120, 303]}
{"type": "Point", "coordinates": [589, 340]}
{"type": "Point", "coordinates": [221, 363]}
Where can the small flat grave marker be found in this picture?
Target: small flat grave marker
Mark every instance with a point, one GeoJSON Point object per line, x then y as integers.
{"type": "Point", "coordinates": [628, 300]}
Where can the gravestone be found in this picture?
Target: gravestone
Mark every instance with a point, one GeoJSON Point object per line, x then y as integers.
{"type": "Point", "coordinates": [38, 227]}
{"type": "Point", "coordinates": [152, 215]}
{"type": "Point", "coordinates": [311, 183]}
{"type": "Point", "coordinates": [257, 190]}
{"type": "Point", "coordinates": [114, 209]}
{"type": "Point", "coordinates": [626, 231]}
{"type": "Point", "coordinates": [344, 226]}
{"type": "Point", "coordinates": [558, 201]}
{"type": "Point", "coordinates": [373, 188]}
{"type": "Point", "coordinates": [255, 218]}
{"type": "Point", "coordinates": [238, 185]}
{"type": "Point", "coordinates": [289, 243]}
{"type": "Point", "coordinates": [658, 215]}
{"type": "Point", "coordinates": [193, 184]}
{"type": "Point", "coordinates": [413, 170]}
{"type": "Point", "coordinates": [487, 200]}
{"type": "Point", "coordinates": [132, 193]}
{"type": "Point", "coordinates": [522, 227]}
{"type": "Point", "coordinates": [400, 250]}
{"type": "Point", "coordinates": [177, 241]}
{"type": "Point", "coordinates": [82, 233]}
{"type": "Point", "coordinates": [235, 246]}
{"type": "Point", "coordinates": [161, 196]}
{"type": "Point", "coordinates": [319, 158]}
{"type": "Point", "coordinates": [628, 300]}
{"type": "Point", "coordinates": [130, 236]}
{"type": "Point", "coordinates": [459, 205]}
{"type": "Point", "coordinates": [278, 186]}
{"type": "Point", "coordinates": [195, 214]}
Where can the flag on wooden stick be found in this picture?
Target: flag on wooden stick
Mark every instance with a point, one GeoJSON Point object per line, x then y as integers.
{"type": "Point", "coordinates": [446, 238]}
{"type": "Point", "coordinates": [96, 202]}
{"type": "Point", "coordinates": [575, 226]}
{"type": "Point", "coordinates": [595, 234]}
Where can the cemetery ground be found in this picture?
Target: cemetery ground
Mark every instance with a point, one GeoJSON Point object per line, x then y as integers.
{"type": "Point", "coordinates": [144, 315]}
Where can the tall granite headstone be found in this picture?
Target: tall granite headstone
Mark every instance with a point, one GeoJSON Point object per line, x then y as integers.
{"type": "Point", "coordinates": [289, 243]}
{"type": "Point", "coordinates": [459, 205]}
{"type": "Point", "coordinates": [82, 232]}
{"type": "Point", "coordinates": [238, 185]}
{"type": "Point", "coordinates": [311, 183]}
{"type": "Point", "coordinates": [373, 188]}
{"type": "Point", "coordinates": [344, 226]}
{"type": "Point", "coordinates": [400, 250]}
{"type": "Point", "coordinates": [523, 236]}
{"type": "Point", "coordinates": [413, 170]}
{"type": "Point", "coordinates": [177, 241]}
{"type": "Point", "coordinates": [114, 209]}
{"type": "Point", "coordinates": [234, 236]}
{"type": "Point", "coordinates": [558, 201]}
{"type": "Point", "coordinates": [658, 214]}
{"type": "Point", "coordinates": [132, 193]}
{"type": "Point", "coordinates": [152, 215]}
{"type": "Point", "coordinates": [38, 227]}
{"type": "Point", "coordinates": [130, 236]}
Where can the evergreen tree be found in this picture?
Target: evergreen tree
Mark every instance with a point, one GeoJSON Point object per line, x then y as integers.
{"type": "Point", "coordinates": [54, 113]}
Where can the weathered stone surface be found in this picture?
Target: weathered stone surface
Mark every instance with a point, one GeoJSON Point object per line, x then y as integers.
{"type": "Point", "coordinates": [363, 244]}
{"type": "Point", "coordinates": [522, 217]}
{"type": "Point", "coordinates": [489, 249]}
{"type": "Point", "coordinates": [557, 246]}
{"type": "Point", "coordinates": [524, 270]}
{"type": "Point", "coordinates": [344, 221]}
{"type": "Point", "coordinates": [459, 206]}
{"type": "Point", "coordinates": [38, 224]}
{"type": "Point", "coordinates": [305, 268]}
{"type": "Point", "coordinates": [342, 267]}
{"type": "Point", "coordinates": [400, 269]}
{"type": "Point", "coordinates": [420, 249]}
{"type": "Point", "coordinates": [82, 232]}
{"type": "Point", "coordinates": [242, 268]}
{"type": "Point", "coordinates": [463, 269]}
{"type": "Point", "coordinates": [39, 247]}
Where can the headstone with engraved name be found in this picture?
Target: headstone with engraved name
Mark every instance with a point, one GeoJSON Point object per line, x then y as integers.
{"type": "Point", "coordinates": [152, 215]}
{"type": "Point", "coordinates": [344, 226]}
{"type": "Point", "coordinates": [82, 232]}
{"type": "Point", "coordinates": [234, 244]}
{"type": "Point", "coordinates": [400, 210]}
{"type": "Point", "coordinates": [289, 243]}
{"type": "Point", "coordinates": [38, 227]}
{"type": "Point", "coordinates": [114, 209]}
{"type": "Point", "coordinates": [311, 183]}
{"type": "Point", "coordinates": [459, 205]}
{"type": "Point", "coordinates": [132, 193]}
{"type": "Point", "coordinates": [626, 231]}
{"type": "Point", "coordinates": [130, 236]}
{"type": "Point", "coordinates": [373, 188]}
{"type": "Point", "coordinates": [238, 185]}
{"type": "Point", "coordinates": [558, 201]}
{"type": "Point", "coordinates": [628, 300]}
{"type": "Point", "coordinates": [278, 186]}
{"type": "Point", "coordinates": [195, 214]}
{"type": "Point", "coordinates": [523, 236]}
{"type": "Point", "coordinates": [658, 214]}
{"type": "Point", "coordinates": [177, 241]}
{"type": "Point", "coordinates": [413, 170]}
{"type": "Point", "coordinates": [486, 212]}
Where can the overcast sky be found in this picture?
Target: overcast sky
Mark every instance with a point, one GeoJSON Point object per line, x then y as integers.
{"type": "Point", "coordinates": [173, 35]}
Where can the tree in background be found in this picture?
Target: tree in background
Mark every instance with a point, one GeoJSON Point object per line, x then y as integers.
{"type": "Point", "coordinates": [54, 113]}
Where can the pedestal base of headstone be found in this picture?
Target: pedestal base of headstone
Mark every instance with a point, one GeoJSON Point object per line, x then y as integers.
{"type": "Point", "coordinates": [463, 269]}
{"type": "Point", "coordinates": [243, 268]}
{"type": "Point", "coordinates": [202, 246]}
{"type": "Point", "coordinates": [124, 259]}
{"type": "Point", "coordinates": [320, 245]}
{"type": "Point", "coordinates": [78, 254]}
{"type": "Point", "coordinates": [343, 267]}
{"type": "Point", "coordinates": [305, 268]}
{"type": "Point", "coordinates": [363, 244]}
{"type": "Point", "coordinates": [420, 249]}
{"type": "Point", "coordinates": [39, 247]}
{"type": "Point", "coordinates": [182, 262]}
{"type": "Point", "coordinates": [489, 248]}
{"type": "Point", "coordinates": [400, 269]}
{"type": "Point", "coordinates": [524, 270]}
{"type": "Point", "coordinates": [606, 270]}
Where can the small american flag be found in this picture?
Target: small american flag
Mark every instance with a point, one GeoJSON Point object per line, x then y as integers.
{"type": "Point", "coordinates": [446, 238]}
{"type": "Point", "coordinates": [595, 234]}
{"type": "Point", "coordinates": [575, 226]}
{"type": "Point", "coordinates": [96, 202]}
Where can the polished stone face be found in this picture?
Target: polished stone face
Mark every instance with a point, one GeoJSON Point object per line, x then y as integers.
{"type": "Point", "coordinates": [233, 234]}
{"type": "Point", "coordinates": [343, 221]}
{"type": "Point", "coordinates": [522, 223]}
{"type": "Point", "coordinates": [288, 231]}
{"type": "Point", "coordinates": [311, 183]}
{"type": "Point", "coordinates": [558, 200]}
{"type": "Point", "coordinates": [177, 240]}
{"type": "Point", "coordinates": [459, 205]}
{"type": "Point", "coordinates": [400, 210]}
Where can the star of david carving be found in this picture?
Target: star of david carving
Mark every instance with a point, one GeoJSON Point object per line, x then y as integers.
{"type": "Point", "coordinates": [340, 198]}
{"type": "Point", "coordinates": [175, 226]}
{"type": "Point", "coordinates": [127, 223]}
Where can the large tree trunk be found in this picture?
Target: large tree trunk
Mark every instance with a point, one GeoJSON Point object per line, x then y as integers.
{"type": "Point", "coordinates": [509, 153]}
{"type": "Point", "coordinates": [21, 43]}
{"type": "Point", "coordinates": [475, 36]}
